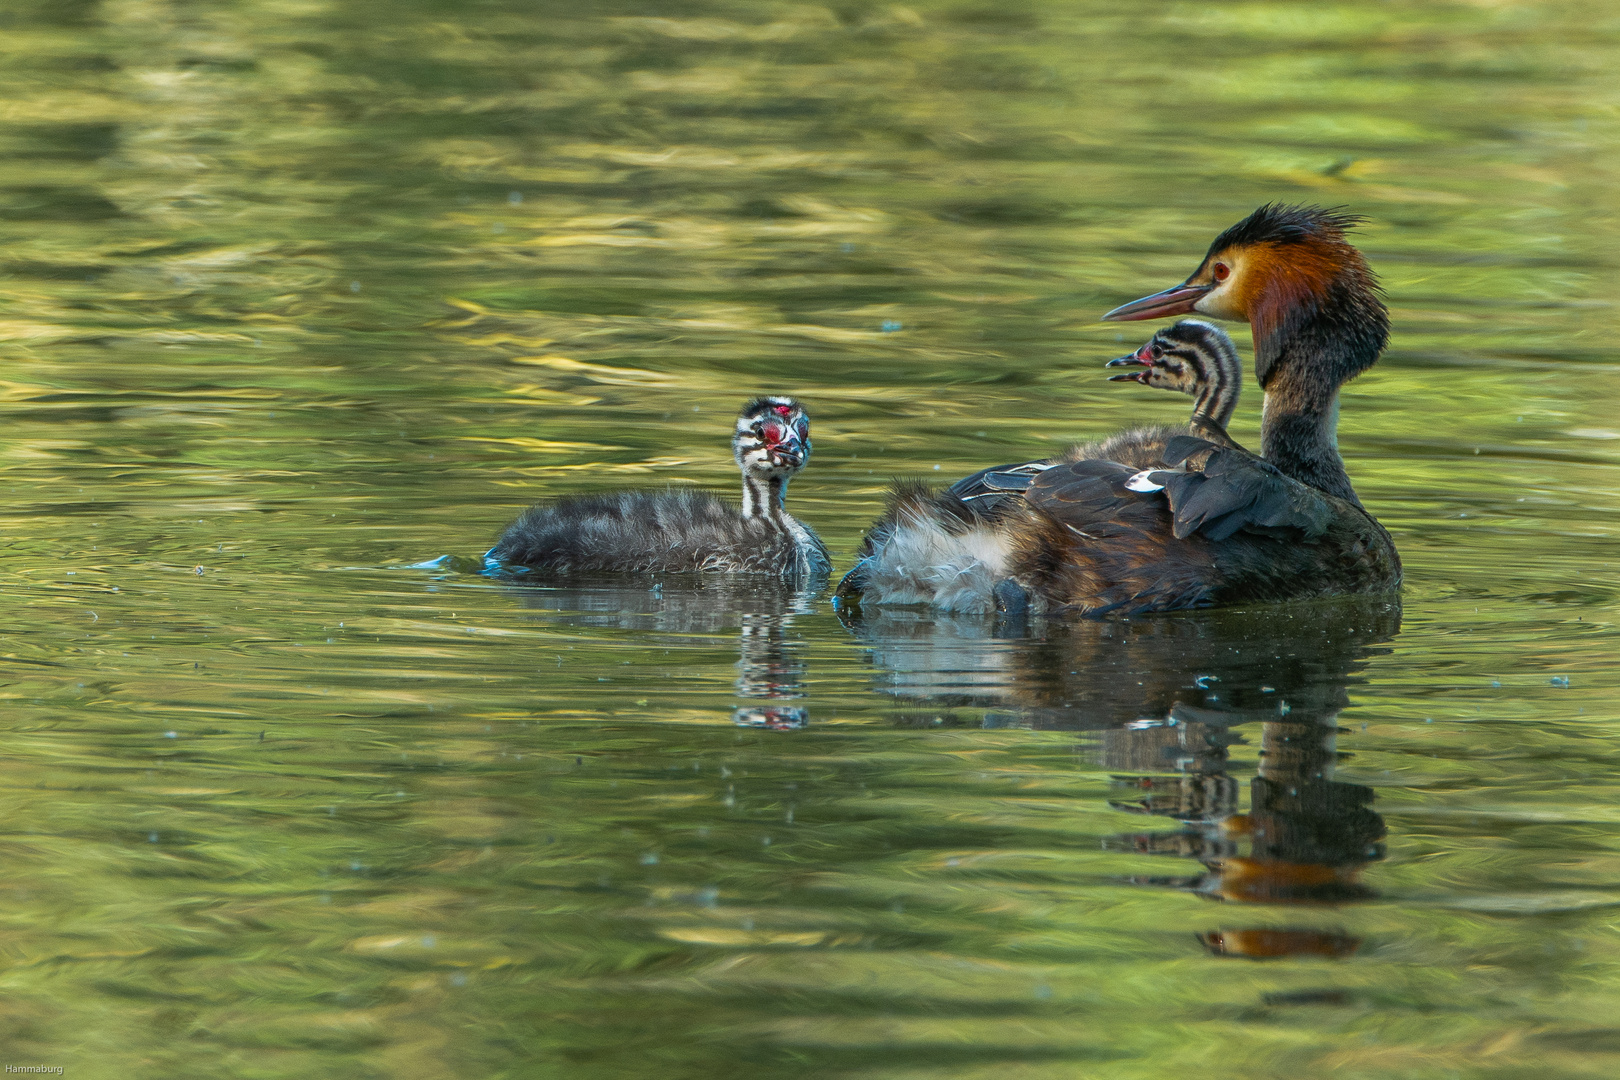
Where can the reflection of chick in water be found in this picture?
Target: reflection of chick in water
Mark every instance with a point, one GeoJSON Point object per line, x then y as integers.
{"type": "Point", "coordinates": [1164, 698]}
{"type": "Point", "coordinates": [769, 665]}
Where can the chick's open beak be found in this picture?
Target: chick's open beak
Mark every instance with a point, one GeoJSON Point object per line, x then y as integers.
{"type": "Point", "coordinates": [1140, 357]}
{"type": "Point", "coordinates": [789, 452]}
{"type": "Point", "coordinates": [1177, 300]}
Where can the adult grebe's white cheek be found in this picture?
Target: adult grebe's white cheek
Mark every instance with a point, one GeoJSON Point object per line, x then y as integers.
{"type": "Point", "coordinates": [1217, 304]}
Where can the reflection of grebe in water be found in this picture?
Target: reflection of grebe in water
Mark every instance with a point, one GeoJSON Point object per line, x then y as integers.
{"type": "Point", "coordinates": [770, 663]}
{"type": "Point", "coordinates": [1162, 699]}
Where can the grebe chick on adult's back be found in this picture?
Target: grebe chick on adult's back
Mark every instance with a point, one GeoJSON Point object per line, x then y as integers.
{"type": "Point", "coordinates": [1192, 357]}
{"type": "Point", "coordinates": [683, 531]}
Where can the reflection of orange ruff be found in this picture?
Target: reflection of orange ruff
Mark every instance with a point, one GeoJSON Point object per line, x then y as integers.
{"type": "Point", "coordinates": [1267, 944]}
{"type": "Point", "coordinates": [1256, 881]}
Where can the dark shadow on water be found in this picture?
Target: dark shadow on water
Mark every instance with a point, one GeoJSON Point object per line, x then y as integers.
{"type": "Point", "coordinates": [1097, 674]}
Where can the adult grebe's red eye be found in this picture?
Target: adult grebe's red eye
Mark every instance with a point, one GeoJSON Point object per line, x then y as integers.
{"type": "Point", "coordinates": [1222, 271]}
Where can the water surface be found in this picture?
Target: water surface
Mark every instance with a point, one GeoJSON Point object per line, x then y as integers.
{"type": "Point", "coordinates": [297, 295]}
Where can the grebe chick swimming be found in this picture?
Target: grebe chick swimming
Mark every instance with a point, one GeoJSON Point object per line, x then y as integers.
{"type": "Point", "coordinates": [683, 531]}
{"type": "Point", "coordinates": [1205, 522]}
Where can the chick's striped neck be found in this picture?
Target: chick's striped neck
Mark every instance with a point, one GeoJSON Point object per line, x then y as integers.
{"type": "Point", "coordinates": [764, 497]}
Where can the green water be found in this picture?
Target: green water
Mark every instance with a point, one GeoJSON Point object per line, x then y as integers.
{"type": "Point", "coordinates": [295, 294]}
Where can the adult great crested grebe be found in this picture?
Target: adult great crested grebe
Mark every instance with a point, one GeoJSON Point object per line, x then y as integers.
{"type": "Point", "coordinates": [679, 531]}
{"type": "Point", "coordinates": [1206, 523]}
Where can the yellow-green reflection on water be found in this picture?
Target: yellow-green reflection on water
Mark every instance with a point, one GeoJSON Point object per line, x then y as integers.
{"type": "Point", "coordinates": [296, 294]}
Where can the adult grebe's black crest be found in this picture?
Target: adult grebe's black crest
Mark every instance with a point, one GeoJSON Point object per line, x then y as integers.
{"type": "Point", "coordinates": [1155, 519]}
{"type": "Point", "coordinates": [681, 530]}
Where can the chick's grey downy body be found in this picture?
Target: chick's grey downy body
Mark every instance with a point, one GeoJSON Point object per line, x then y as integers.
{"type": "Point", "coordinates": [653, 532]}
{"type": "Point", "coordinates": [680, 531]}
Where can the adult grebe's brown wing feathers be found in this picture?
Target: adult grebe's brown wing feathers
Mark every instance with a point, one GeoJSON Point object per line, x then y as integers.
{"type": "Point", "coordinates": [1105, 547]}
{"type": "Point", "coordinates": [1232, 491]}
{"type": "Point", "coordinates": [1235, 490]}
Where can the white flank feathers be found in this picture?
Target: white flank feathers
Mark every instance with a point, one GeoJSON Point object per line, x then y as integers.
{"type": "Point", "coordinates": [921, 563]}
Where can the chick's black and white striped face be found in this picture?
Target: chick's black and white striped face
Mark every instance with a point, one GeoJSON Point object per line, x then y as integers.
{"type": "Point", "coordinates": [1187, 357]}
{"type": "Point", "coordinates": [773, 437]}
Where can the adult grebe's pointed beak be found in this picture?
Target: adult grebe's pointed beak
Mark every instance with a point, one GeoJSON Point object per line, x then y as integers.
{"type": "Point", "coordinates": [1177, 300]}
